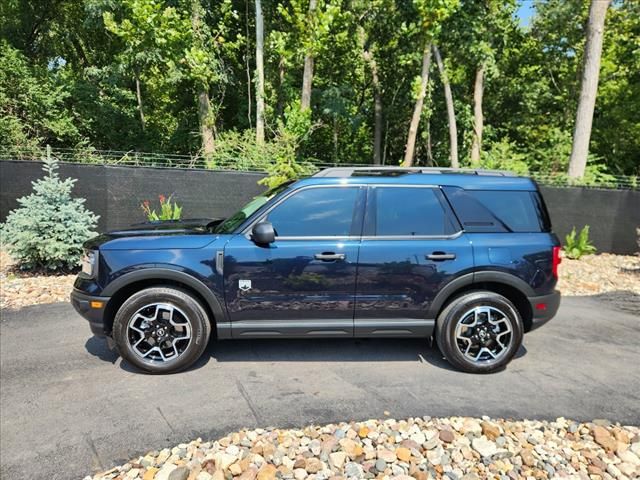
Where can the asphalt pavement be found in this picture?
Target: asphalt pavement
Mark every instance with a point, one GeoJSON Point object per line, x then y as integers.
{"type": "Point", "coordinates": [70, 407]}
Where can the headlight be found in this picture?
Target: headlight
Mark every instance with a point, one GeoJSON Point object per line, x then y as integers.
{"type": "Point", "coordinates": [89, 261]}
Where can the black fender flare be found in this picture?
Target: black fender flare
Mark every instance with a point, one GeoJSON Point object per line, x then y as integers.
{"type": "Point", "coordinates": [158, 273]}
{"type": "Point", "coordinates": [469, 279]}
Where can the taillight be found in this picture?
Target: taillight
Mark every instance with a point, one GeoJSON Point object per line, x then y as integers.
{"type": "Point", "coordinates": [556, 260]}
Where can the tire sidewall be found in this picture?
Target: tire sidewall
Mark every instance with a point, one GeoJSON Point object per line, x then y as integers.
{"type": "Point", "coordinates": [171, 296]}
{"type": "Point", "coordinates": [446, 327]}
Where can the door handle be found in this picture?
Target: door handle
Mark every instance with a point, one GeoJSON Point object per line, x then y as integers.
{"type": "Point", "coordinates": [329, 256]}
{"type": "Point", "coordinates": [439, 256]}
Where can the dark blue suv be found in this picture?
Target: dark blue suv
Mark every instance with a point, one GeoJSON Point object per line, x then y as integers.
{"type": "Point", "coordinates": [466, 257]}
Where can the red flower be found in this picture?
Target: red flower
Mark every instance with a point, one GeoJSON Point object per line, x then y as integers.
{"type": "Point", "coordinates": [162, 198]}
{"type": "Point", "coordinates": [146, 203]}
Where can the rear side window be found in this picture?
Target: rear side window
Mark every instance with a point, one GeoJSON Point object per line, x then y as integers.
{"type": "Point", "coordinates": [499, 210]}
{"type": "Point", "coordinates": [406, 211]}
{"type": "Point", "coordinates": [315, 212]}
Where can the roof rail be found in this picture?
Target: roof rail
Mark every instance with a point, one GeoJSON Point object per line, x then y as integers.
{"type": "Point", "coordinates": [375, 171]}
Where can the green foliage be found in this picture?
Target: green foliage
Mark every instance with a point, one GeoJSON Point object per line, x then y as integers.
{"type": "Point", "coordinates": [32, 110]}
{"type": "Point", "coordinates": [279, 156]}
{"type": "Point", "coordinates": [48, 229]}
{"type": "Point", "coordinates": [504, 155]}
{"type": "Point", "coordinates": [291, 132]}
{"type": "Point", "coordinates": [577, 245]}
{"type": "Point", "coordinates": [69, 73]}
{"type": "Point", "coordinates": [168, 210]}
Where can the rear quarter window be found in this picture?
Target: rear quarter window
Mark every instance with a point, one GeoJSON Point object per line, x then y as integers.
{"type": "Point", "coordinates": [499, 210]}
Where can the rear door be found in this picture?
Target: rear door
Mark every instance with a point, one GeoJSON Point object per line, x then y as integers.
{"type": "Point", "coordinates": [304, 283]}
{"type": "Point", "coordinates": [412, 246]}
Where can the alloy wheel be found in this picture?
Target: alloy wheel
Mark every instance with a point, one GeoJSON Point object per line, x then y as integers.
{"type": "Point", "coordinates": [484, 334]}
{"type": "Point", "coordinates": [159, 332]}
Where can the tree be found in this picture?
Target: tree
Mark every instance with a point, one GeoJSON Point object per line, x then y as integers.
{"type": "Point", "coordinates": [260, 74]}
{"type": "Point", "coordinates": [307, 77]}
{"type": "Point", "coordinates": [204, 103]}
{"type": "Point", "coordinates": [478, 119]}
{"type": "Point", "coordinates": [589, 88]}
{"type": "Point", "coordinates": [431, 14]}
{"type": "Point", "coordinates": [451, 116]}
{"type": "Point", "coordinates": [48, 229]}
{"type": "Point", "coordinates": [417, 109]}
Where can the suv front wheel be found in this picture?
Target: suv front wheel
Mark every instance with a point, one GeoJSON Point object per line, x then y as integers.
{"type": "Point", "coordinates": [161, 329]}
{"type": "Point", "coordinates": [479, 332]}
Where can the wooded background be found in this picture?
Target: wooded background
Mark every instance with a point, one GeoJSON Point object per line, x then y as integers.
{"type": "Point", "coordinates": [258, 83]}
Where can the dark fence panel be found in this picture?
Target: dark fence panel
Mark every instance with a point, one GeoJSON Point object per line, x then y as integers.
{"type": "Point", "coordinates": [612, 215]}
{"type": "Point", "coordinates": [115, 193]}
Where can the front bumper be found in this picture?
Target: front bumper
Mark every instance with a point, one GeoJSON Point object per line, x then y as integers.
{"type": "Point", "coordinates": [544, 308]}
{"type": "Point", "coordinates": [86, 305]}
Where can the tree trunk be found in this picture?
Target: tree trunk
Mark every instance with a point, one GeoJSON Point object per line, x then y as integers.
{"type": "Point", "coordinates": [307, 77]}
{"type": "Point", "coordinates": [281, 73]}
{"type": "Point", "coordinates": [206, 128]}
{"type": "Point", "coordinates": [139, 98]}
{"type": "Point", "coordinates": [335, 139]}
{"type": "Point", "coordinates": [451, 116]}
{"type": "Point", "coordinates": [478, 122]}
{"type": "Point", "coordinates": [588, 88]}
{"type": "Point", "coordinates": [368, 57]}
{"type": "Point", "coordinates": [429, 149]}
{"type": "Point", "coordinates": [247, 67]}
{"type": "Point", "coordinates": [377, 125]}
{"type": "Point", "coordinates": [260, 74]}
{"type": "Point", "coordinates": [204, 104]}
{"type": "Point", "coordinates": [417, 110]}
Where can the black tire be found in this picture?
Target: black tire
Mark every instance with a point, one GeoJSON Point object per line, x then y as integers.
{"type": "Point", "coordinates": [187, 306]}
{"type": "Point", "coordinates": [457, 310]}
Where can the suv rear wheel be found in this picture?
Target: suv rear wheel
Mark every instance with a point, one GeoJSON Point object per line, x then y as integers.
{"type": "Point", "coordinates": [161, 329]}
{"type": "Point", "coordinates": [479, 332]}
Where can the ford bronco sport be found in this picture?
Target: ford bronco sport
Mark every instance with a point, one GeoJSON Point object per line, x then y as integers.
{"type": "Point", "coordinates": [465, 257]}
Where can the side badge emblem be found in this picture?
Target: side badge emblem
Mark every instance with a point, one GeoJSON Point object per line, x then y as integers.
{"type": "Point", "coordinates": [244, 285]}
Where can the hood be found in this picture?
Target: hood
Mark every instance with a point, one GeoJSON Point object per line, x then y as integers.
{"type": "Point", "coordinates": [188, 233]}
{"type": "Point", "coordinates": [168, 227]}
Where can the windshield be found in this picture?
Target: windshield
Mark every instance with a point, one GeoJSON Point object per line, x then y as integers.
{"type": "Point", "coordinates": [235, 220]}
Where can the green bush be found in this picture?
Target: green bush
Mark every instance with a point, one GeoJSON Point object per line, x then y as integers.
{"type": "Point", "coordinates": [577, 245]}
{"type": "Point", "coordinates": [279, 156]}
{"type": "Point", "coordinates": [504, 155]}
{"type": "Point", "coordinates": [48, 229]}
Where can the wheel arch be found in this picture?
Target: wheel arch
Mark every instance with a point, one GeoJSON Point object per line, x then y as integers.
{"type": "Point", "coordinates": [126, 285]}
{"type": "Point", "coordinates": [513, 288]}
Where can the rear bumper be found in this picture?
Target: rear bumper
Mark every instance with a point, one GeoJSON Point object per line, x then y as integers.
{"type": "Point", "coordinates": [544, 308]}
{"type": "Point", "coordinates": [95, 315]}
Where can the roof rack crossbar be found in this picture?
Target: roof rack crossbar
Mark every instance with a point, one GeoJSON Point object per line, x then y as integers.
{"type": "Point", "coordinates": [375, 170]}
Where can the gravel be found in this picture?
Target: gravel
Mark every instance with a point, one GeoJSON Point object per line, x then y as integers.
{"type": "Point", "coordinates": [415, 448]}
{"type": "Point", "coordinates": [20, 289]}
{"type": "Point", "coordinates": [615, 277]}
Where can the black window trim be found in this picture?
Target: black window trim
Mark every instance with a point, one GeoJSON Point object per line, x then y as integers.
{"type": "Point", "coordinates": [357, 215]}
{"type": "Point", "coordinates": [448, 212]}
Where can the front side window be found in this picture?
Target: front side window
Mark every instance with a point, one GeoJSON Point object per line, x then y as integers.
{"type": "Point", "coordinates": [406, 211]}
{"type": "Point", "coordinates": [315, 212]}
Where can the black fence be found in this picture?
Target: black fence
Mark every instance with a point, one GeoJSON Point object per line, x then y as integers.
{"type": "Point", "coordinates": [115, 193]}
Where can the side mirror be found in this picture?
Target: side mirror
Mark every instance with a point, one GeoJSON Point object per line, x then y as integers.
{"type": "Point", "coordinates": [263, 233]}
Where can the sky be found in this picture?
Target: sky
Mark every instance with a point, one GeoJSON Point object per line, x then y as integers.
{"type": "Point", "coordinates": [525, 12]}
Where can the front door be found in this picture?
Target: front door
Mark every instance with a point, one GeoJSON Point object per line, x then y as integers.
{"type": "Point", "coordinates": [411, 247]}
{"type": "Point", "coordinates": [304, 283]}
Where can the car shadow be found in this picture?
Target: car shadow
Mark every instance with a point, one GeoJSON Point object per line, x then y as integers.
{"type": "Point", "coordinates": [626, 301]}
{"type": "Point", "coordinates": [98, 348]}
{"type": "Point", "coordinates": [365, 350]}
